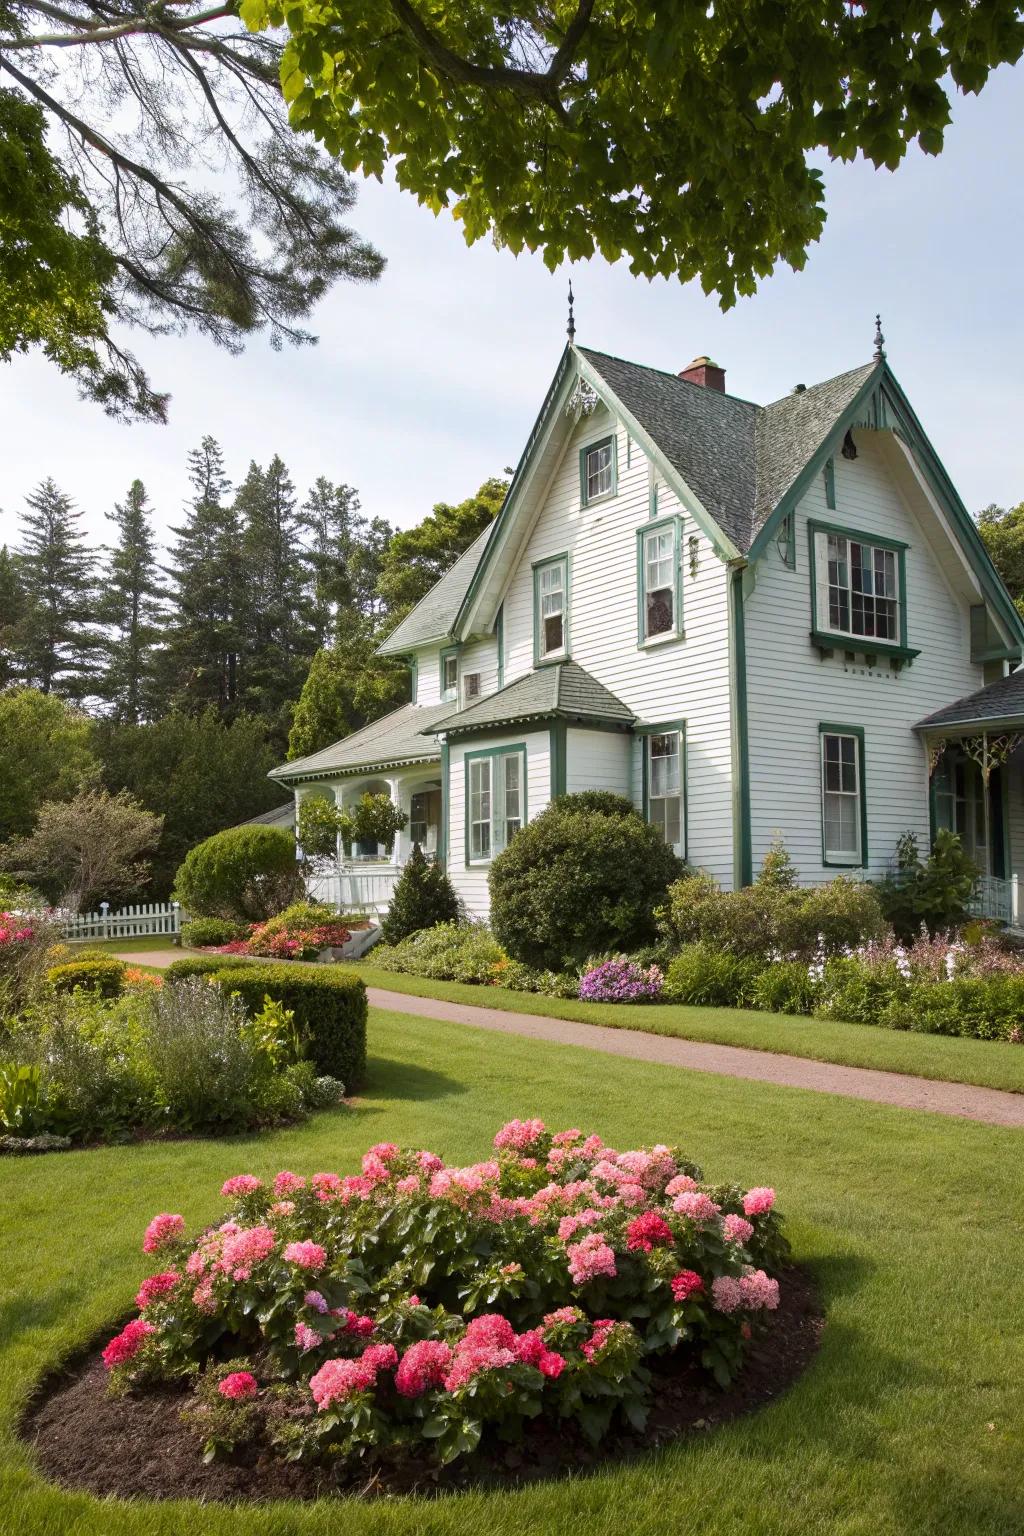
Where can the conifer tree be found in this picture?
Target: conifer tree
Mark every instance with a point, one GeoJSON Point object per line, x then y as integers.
{"type": "Point", "coordinates": [57, 642]}
{"type": "Point", "coordinates": [348, 686]}
{"type": "Point", "coordinates": [278, 641]}
{"type": "Point", "coordinates": [131, 611]}
{"type": "Point", "coordinates": [423, 897]}
{"type": "Point", "coordinates": [12, 611]}
{"type": "Point", "coordinates": [344, 552]}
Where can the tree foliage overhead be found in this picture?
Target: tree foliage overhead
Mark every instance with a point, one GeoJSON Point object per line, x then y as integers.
{"type": "Point", "coordinates": [1002, 529]}
{"type": "Point", "coordinates": [418, 557]}
{"type": "Point", "coordinates": [676, 135]}
{"type": "Point", "coordinates": [149, 176]}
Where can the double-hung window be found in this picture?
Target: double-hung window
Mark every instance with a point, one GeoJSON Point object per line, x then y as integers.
{"type": "Point", "coordinates": [598, 473]}
{"type": "Point", "coordinates": [664, 784]}
{"type": "Point", "coordinates": [495, 801]}
{"type": "Point", "coordinates": [659, 614]}
{"type": "Point", "coordinates": [859, 583]}
{"type": "Point", "coordinates": [450, 673]}
{"type": "Point", "coordinates": [551, 609]}
{"type": "Point", "coordinates": [843, 814]}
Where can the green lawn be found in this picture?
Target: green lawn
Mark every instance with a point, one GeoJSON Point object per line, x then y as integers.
{"type": "Point", "coordinates": [128, 946]}
{"type": "Point", "coordinates": [908, 1422]}
{"type": "Point", "coordinates": [989, 1063]}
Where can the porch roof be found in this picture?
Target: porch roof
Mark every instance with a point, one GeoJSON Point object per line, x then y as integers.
{"type": "Point", "coordinates": [999, 704]}
{"type": "Point", "coordinates": [391, 742]}
{"type": "Point", "coordinates": [562, 691]}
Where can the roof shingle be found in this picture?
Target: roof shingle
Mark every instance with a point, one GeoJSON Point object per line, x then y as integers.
{"type": "Point", "coordinates": [435, 613]}
{"type": "Point", "coordinates": [395, 739]}
{"type": "Point", "coordinates": [1001, 700]}
{"type": "Point", "coordinates": [560, 691]}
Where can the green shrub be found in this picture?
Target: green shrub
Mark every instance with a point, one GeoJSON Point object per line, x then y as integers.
{"type": "Point", "coordinates": [859, 990]}
{"type": "Point", "coordinates": [703, 975]}
{"type": "Point", "coordinates": [584, 876]}
{"type": "Point", "coordinates": [447, 952]}
{"type": "Point", "coordinates": [245, 874]}
{"type": "Point", "coordinates": [777, 868]}
{"type": "Point", "coordinates": [772, 920]}
{"type": "Point", "coordinates": [785, 987]}
{"type": "Point", "coordinates": [976, 1007]}
{"type": "Point", "coordinates": [300, 915]}
{"type": "Point", "coordinates": [423, 897]}
{"type": "Point", "coordinates": [328, 1004]}
{"type": "Point", "coordinates": [201, 965]}
{"type": "Point", "coordinates": [23, 1107]}
{"type": "Point", "coordinates": [208, 1070]}
{"type": "Point", "coordinates": [104, 975]}
{"type": "Point", "coordinates": [523, 978]}
{"type": "Point", "coordinates": [839, 915]}
{"type": "Point", "coordinates": [935, 893]}
{"type": "Point", "coordinates": [96, 1076]}
{"type": "Point", "coordinates": [206, 932]}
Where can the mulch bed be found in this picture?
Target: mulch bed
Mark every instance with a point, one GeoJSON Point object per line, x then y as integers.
{"type": "Point", "coordinates": [137, 1446]}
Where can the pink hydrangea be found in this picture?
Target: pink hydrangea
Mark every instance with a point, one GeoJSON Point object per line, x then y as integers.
{"type": "Point", "coordinates": [307, 1338]}
{"type": "Point", "coordinates": [530, 1346]}
{"type": "Point", "coordinates": [162, 1231]}
{"type": "Point", "coordinates": [517, 1135]}
{"type": "Point", "coordinates": [288, 1183]}
{"type": "Point", "coordinates": [429, 1162]}
{"type": "Point", "coordinates": [647, 1231]}
{"type": "Point", "coordinates": [410, 1185]}
{"type": "Point", "coordinates": [756, 1202]}
{"type": "Point", "coordinates": [570, 1225]}
{"type": "Point", "coordinates": [490, 1329]}
{"type": "Point", "coordinates": [598, 1336]}
{"type": "Point", "coordinates": [155, 1286]}
{"type": "Point", "coordinates": [327, 1186]}
{"type": "Point", "coordinates": [563, 1315]}
{"type": "Point", "coordinates": [360, 1327]}
{"type": "Point", "coordinates": [203, 1296]}
{"type": "Point", "coordinates": [424, 1365]}
{"type": "Point", "coordinates": [686, 1284]}
{"type": "Point", "coordinates": [736, 1230]}
{"type": "Point", "coordinates": [126, 1345]}
{"type": "Point", "coordinates": [306, 1255]}
{"type": "Point", "coordinates": [696, 1205]}
{"type": "Point", "coordinates": [589, 1258]}
{"type": "Point", "coordinates": [245, 1248]}
{"type": "Point", "coordinates": [384, 1150]}
{"type": "Point", "coordinates": [726, 1293]}
{"type": "Point", "coordinates": [760, 1292]}
{"type": "Point", "coordinates": [551, 1364]}
{"type": "Point", "coordinates": [241, 1184]}
{"type": "Point", "coordinates": [470, 1359]}
{"type": "Point", "coordinates": [567, 1138]}
{"type": "Point", "coordinates": [239, 1385]}
{"type": "Point", "coordinates": [339, 1379]}
{"type": "Point", "coordinates": [380, 1357]}
{"type": "Point", "coordinates": [680, 1184]}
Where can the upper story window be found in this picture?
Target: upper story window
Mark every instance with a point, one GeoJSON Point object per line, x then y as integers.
{"type": "Point", "coordinates": [664, 780]}
{"type": "Point", "coordinates": [470, 687]}
{"type": "Point", "coordinates": [859, 586]}
{"type": "Point", "coordinates": [660, 594]}
{"type": "Point", "coordinates": [495, 800]}
{"type": "Point", "coordinates": [843, 819]}
{"type": "Point", "coordinates": [450, 673]}
{"type": "Point", "coordinates": [551, 609]}
{"type": "Point", "coordinates": [598, 470]}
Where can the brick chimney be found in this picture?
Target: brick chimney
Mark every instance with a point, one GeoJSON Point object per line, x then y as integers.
{"type": "Point", "coordinates": [706, 373]}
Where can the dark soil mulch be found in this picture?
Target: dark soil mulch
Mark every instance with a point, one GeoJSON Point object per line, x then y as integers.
{"type": "Point", "coordinates": [137, 1445]}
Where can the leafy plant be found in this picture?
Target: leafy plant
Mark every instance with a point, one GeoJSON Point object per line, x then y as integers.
{"type": "Point", "coordinates": [23, 1110]}
{"type": "Point", "coordinates": [423, 897]}
{"type": "Point", "coordinates": [208, 932]}
{"type": "Point", "coordinates": [465, 952]}
{"type": "Point", "coordinates": [245, 874]}
{"type": "Point", "coordinates": [703, 975]}
{"type": "Point", "coordinates": [935, 892]}
{"type": "Point", "coordinates": [103, 974]}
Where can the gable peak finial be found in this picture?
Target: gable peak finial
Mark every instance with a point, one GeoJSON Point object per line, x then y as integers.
{"type": "Point", "coordinates": [570, 329]}
{"type": "Point", "coordinates": [879, 341]}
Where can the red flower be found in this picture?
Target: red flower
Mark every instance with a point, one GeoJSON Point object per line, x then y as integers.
{"type": "Point", "coordinates": [646, 1231]}
{"type": "Point", "coordinates": [686, 1284]}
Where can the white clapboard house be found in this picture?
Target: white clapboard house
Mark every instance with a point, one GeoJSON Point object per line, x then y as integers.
{"type": "Point", "coordinates": [752, 620]}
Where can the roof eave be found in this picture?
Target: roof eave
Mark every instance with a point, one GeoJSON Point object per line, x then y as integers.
{"type": "Point", "coordinates": [350, 770]}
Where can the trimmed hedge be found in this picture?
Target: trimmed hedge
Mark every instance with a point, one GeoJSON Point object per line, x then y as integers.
{"type": "Point", "coordinates": [205, 932]}
{"type": "Point", "coordinates": [329, 1005]}
{"type": "Point", "coordinates": [103, 975]}
{"type": "Point", "coordinates": [244, 874]}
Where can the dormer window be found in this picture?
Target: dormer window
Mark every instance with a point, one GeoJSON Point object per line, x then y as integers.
{"type": "Point", "coordinates": [551, 609]}
{"type": "Point", "coordinates": [859, 586]}
{"type": "Point", "coordinates": [597, 470]}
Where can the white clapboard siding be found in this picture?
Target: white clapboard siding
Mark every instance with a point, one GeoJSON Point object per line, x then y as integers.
{"type": "Point", "coordinates": [791, 689]}
{"type": "Point", "coordinates": [149, 918]}
{"type": "Point", "coordinates": [599, 760]}
{"type": "Point", "coordinates": [471, 882]}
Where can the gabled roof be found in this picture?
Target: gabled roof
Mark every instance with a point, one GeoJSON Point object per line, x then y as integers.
{"type": "Point", "coordinates": [1002, 701]}
{"type": "Point", "coordinates": [435, 613]}
{"type": "Point", "coordinates": [562, 691]}
{"type": "Point", "coordinates": [280, 816]}
{"type": "Point", "coordinates": [395, 739]}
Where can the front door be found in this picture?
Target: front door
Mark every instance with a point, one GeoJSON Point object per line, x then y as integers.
{"type": "Point", "coordinates": [960, 807]}
{"type": "Point", "coordinates": [425, 819]}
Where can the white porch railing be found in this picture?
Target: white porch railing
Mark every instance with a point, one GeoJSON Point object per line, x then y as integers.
{"type": "Point", "coordinates": [140, 921]}
{"type": "Point", "coordinates": [997, 899]}
{"type": "Point", "coordinates": [358, 888]}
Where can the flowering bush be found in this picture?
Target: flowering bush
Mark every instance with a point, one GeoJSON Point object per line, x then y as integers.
{"type": "Point", "coordinates": [25, 939]}
{"type": "Point", "coordinates": [621, 981]}
{"type": "Point", "coordinates": [415, 1304]}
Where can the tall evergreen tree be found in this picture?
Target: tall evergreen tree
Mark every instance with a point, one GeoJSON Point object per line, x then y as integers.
{"type": "Point", "coordinates": [348, 686]}
{"type": "Point", "coordinates": [200, 665]}
{"type": "Point", "coordinates": [278, 641]}
{"type": "Point", "coordinates": [131, 611]}
{"type": "Point", "coordinates": [12, 611]}
{"type": "Point", "coordinates": [57, 642]}
{"type": "Point", "coordinates": [344, 551]}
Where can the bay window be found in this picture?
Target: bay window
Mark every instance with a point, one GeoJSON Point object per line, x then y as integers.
{"type": "Point", "coordinates": [858, 588]}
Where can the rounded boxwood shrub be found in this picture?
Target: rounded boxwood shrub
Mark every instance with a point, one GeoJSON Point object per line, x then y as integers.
{"type": "Point", "coordinates": [414, 1308]}
{"type": "Point", "coordinates": [423, 897]}
{"type": "Point", "coordinates": [103, 974]}
{"type": "Point", "coordinates": [201, 965]}
{"type": "Point", "coordinates": [245, 874]}
{"type": "Point", "coordinates": [206, 932]}
{"type": "Point", "coordinates": [582, 878]}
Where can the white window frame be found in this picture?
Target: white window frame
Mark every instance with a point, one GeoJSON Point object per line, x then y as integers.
{"type": "Point", "coordinates": [470, 696]}
{"type": "Point", "coordinates": [653, 734]}
{"type": "Point", "coordinates": [541, 570]}
{"type": "Point", "coordinates": [849, 858]}
{"type": "Point", "coordinates": [829, 542]}
{"type": "Point", "coordinates": [449, 691]}
{"type": "Point", "coordinates": [490, 798]}
{"type": "Point", "coordinates": [666, 527]}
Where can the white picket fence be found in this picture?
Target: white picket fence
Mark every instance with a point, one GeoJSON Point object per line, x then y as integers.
{"type": "Point", "coordinates": [147, 918]}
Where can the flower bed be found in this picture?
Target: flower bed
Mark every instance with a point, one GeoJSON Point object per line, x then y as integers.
{"type": "Point", "coordinates": [415, 1308]}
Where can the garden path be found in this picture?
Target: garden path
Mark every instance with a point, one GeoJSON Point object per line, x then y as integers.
{"type": "Point", "coordinates": [989, 1105]}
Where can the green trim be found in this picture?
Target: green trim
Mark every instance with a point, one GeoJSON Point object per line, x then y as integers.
{"type": "Point", "coordinates": [414, 678]}
{"type": "Point", "coordinates": [538, 566]}
{"type": "Point", "coordinates": [446, 694]}
{"type": "Point", "coordinates": [599, 442]}
{"type": "Point", "coordinates": [558, 745]}
{"type": "Point", "coordinates": [830, 728]}
{"type": "Point", "coordinates": [491, 753]}
{"type": "Point", "coordinates": [652, 500]}
{"type": "Point", "coordinates": [840, 640]}
{"type": "Point", "coordinates": [443, 831]}
{"type": "Point", "coordinates": [743, 863]}
{"type": "Point", "coordinates": [499, 633]}
{"type": "Point", "coordinates": [643, 640]}
{"type": "Point", "coordinates": [830, 483]}
{"type": "Point", "coordinates": [645, 732]}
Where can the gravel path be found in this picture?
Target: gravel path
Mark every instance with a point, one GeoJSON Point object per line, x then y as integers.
{"type": "Point", "coordinates": [989, 1105]}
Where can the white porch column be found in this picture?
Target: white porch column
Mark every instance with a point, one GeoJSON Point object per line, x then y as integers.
{"type": "Point", "coordinates": [395, 791]}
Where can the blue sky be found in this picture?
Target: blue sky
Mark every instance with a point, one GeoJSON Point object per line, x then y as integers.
{"type": "Point", "coordinates": [427, 382]}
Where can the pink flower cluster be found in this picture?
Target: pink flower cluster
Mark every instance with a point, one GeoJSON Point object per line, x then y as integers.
{"type": "Point", "coordinates": [752, 1292]}
{"type": "Point", "coordinates": [126, 1345]}
{"type": "Point", "coordinates": [696, 1205]}
{"type": "Point", "coordinates": [490, 1343]}
{"type": "Point", "coordinates": [307, 1255]}
{"type": "Point", "coordinates": [758, 1202]}
{"type": "Point", "coordinates": [337, 1380]}
{"type": "Point", "coordinates": [241, 1184]}
{"type": "Point", "coordinates": [14, 931]}
{"type": "Point", "coordinates": [424, 1365]}
{"type": "Point", "coordinates": [590, 1258]}
{"type": "Point", "coordinates": [686, 1284]}
{"type": "Point", "coordinates": [162, 1231]}
{"type": "Point", "coordinates": [647, 1231]}
{"type": "Point", "coordinates": [155, 1286]}
{"type": "Point", "coordinates": [238, 1386]}
{"type": "Point", "coordinates": [517, 1135]}
{"type": "Point", "coordinates": [736, 1230]}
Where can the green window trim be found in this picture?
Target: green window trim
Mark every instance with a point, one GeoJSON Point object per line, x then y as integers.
{"type": "Point", "coordinates": [448, 695]}
{"type": "Point", "coordinates": [840, 639]}
{"type": "Point", "coordinates": [558, 749]}
{"type": "Point", "coordinates": [443, 852]}
{"type": "Point", "coordinates": [830, 484]}
{"type": "Point", "coordinates": [414, 678]}
{"type": "Point", "coordinates": [643, 640]}
{"type": "Point", "coordinates": [666, 728]}
{"type": "Point", "coordinates": [609, 438]}
{"type": "Point", "coordinates": [539, 566]}
{"type": "Point", "coordinates": [493, 754]}
{"type": "Point", "coordinates": [830, 728]}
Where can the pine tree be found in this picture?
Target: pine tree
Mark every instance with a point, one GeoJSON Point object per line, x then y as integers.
{"type": "Point", "coordinates": [200, 666]}
{"type": "Point", "coordinates": [57, 642]}
{"type": "Point", "coordinates": [278, 643]}
{"type": "Point", "coordinates": [423, 897]}
{"type": "Point", "coordinates": [131, 611]}
{"type": "Point", "coordinates": [348, 686]}
{"type": "Point", "coordinates": [12, 612]}
{"type": "Point", "coordinates": [344, 552]}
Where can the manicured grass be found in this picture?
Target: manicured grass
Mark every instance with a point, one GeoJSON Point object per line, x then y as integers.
{"type": "Point", "coordinates": [988, 1063]}
{"type": "Point", "coordinates": [908, 1421]}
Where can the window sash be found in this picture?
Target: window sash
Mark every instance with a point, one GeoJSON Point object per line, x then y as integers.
{"type": "Point", "coordinates": [480, 808]}
{"type": "Point", "coordinates": [497, 801]}
{"type": "Point", "coordinates": [598, 470]}
{"type": "Point", "coordinates": [859, 588]}
{"type": "Point", "coordinates": [659, 563]}
{"type": "Point", "coordinates": [450, 673]}
{"type": "Point", "coordinates": [551, 595]}
{"type": "Point", "coordinates": [841, 798]}
{"type": "Point", "coordinates": [665, 785]}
